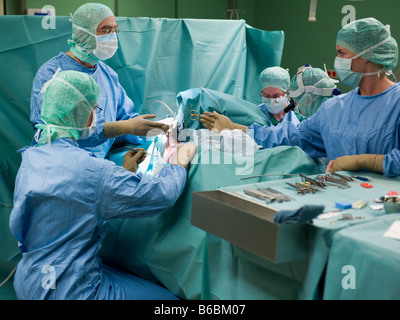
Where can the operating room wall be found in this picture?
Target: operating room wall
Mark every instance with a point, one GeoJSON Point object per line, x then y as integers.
{"type": "Point", "coordinates": [205, 9]}
{"type": "Point", "coordinates": [314, 42]}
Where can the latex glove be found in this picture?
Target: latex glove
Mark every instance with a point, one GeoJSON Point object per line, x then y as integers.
{"type": "Point", "coordinates": [185, 154]}
{"type": "Point", "coordinates": [373, 162]}
{"type": "Point", "coordinates": [132, 159]}
{"type": "Point", "coordinates": [138, 126]}
{"type": "Point", "coordinates": [218, 122]}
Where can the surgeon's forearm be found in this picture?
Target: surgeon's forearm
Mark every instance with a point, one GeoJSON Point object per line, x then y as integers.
{"type": "Point", "coordinates": [373, 162]}
{"type": "Point", "coordinates": [114, 129]}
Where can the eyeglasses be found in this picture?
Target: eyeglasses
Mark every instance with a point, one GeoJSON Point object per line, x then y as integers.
{"type": "Point", "coordinates": [276, 96]}
{"type": "Point", "coordinates": [108, 31]}
{"type": "Point", "coordinates": [97, 109]}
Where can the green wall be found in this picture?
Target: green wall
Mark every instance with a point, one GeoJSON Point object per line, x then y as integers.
{"type": "Point", "coordinates": [204, 9]}
{"type": "Point", "coordinates": [64, 8]}
{"type": "Point", "coordinates": [148, 8]}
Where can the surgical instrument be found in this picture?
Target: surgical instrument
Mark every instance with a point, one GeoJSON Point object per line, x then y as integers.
{"type": "Point", "coordinates": [303, 188]}
{"type": "Point", "coordinates": [361, 178]}
{"type": "Point", "coordinates": [259, 195]}
{"type": "Point", "coordinates": [312, 181]}
{"type": "Point", "coordinates": [347, 216]}
{"type": "Point", "coordinates": [270, 175]}
{"type": "Point", "coordinates": [328, 177]}
{"type": "Point", "coordinates": [136, 149]}
{"type": "Point", "coordinates": [279, 196]}
{"type": "Point", "coordinates": [343, 176]}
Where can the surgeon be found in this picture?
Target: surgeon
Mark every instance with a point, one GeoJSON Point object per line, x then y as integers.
{"type": "Point", "coordinates": [274, 82]}
{"type": "Point", "coordinates": [311, 87]}
{"type": "Point", "coordinates": [94, 39]}
{"type": "Point", "coordinates": [275, 85]}
{"type": "Point", "coordinates": [359, 129]}
{"type": "Point", "coordinates": [65, 197]}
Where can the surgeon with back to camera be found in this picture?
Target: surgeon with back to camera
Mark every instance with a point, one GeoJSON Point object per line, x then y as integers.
{"type": "Point", "coordinates": [359, 129]}
{"type": "Point", "coordinates": [94, 38]}
{"type": "Point", "coordinates": [65, 197]}
{"type": "Point", "coordinates": [310, 88]}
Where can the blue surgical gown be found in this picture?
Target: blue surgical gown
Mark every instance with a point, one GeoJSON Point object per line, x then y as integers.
{"type": "Point", "coordinates": [63, 201]}
{"type": "Point", "coordinates": [348, 124]}
{"type": "Point", "coordinates": [290, 116]}
{"type": "Point", "coordinates": [113, 100]}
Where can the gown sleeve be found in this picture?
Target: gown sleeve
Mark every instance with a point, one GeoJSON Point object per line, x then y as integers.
{"type": "Point", "coordinates": [126, 194]}
{"type": "Point", "coordinates": [305, 135]}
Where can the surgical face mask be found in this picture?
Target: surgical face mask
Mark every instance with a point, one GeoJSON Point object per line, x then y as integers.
{"type": "Point", "coordinates": [348, 76]}
{"type": "Point", "coordinates": [88, 131]}
{"type": "Point", "coordinates": [275, 105]}
{"type": "Point", "coordinates": [106, 45]}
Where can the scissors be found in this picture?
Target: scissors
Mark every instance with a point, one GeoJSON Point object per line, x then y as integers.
{"type": "Point", "coordinates": [193, 115]}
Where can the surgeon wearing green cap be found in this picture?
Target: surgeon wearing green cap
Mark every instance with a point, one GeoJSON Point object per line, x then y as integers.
{"type": "Point", "coordinates": [311, 87]}
{"type": "Point", "coordinates": [94, 39]}
{"type": "Point", "coordinates": [367, 54]}
{"type": "Point", "coordinates": [359, 130]}
{"type": "Point", "coordinates": [274, 82]}
{"type": "Point", "coordinates": [65, 198]}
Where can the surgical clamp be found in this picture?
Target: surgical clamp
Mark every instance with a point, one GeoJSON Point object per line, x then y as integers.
{"type": "Point", "coordinates": [343, 177]}
{"type": "Point", "coordinates": [341, 184]}
{"type": "Point", "coordinates": [303, 188]}
{"type": "Point", "coordinates": [320, 184]}
{"type": "Point", "coordinates": [340, 181]}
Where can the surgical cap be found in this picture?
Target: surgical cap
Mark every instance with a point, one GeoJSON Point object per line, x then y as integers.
{"type": "Point", "coordinates": [275, 77]}
{"type": "Point", "coordinates": [68, 100]}
{"type": "Point", "coordinates": [87, 16]}
{"type": "Point", "coordinates": [363, 34]}
{"type": "Point", "coordinates": [308, 102]}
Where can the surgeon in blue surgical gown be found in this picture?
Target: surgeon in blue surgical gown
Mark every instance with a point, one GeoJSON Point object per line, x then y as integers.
{"type": "Point", "coordinates": [275, 86]}
{"type": "Point", "coordinates": [359, 130]}
{"type": "Point", "coordinates": [65, 197]}
{"type": "Point", "coordinates": [94, 38]}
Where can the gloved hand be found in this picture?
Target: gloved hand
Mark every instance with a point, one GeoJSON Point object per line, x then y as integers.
{"type": "Point", "coordinates": [218, 122]}
{"type": "Point", "coordinates": [373, 162]}
{"type": "Point", "coordinates": [132, 159]}
{"type": "Point", "coordinates": [185, 154]}
{"type": "Point", "coordinates": [138, 126]}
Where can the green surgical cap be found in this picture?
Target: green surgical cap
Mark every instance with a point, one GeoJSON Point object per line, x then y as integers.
{"type": "Point", "coordinates": [87, 16]}
{"type": "Point", "coordinates": [275, 77]}
{"type": "Point", "coordinates": [309, 102]}
{"type": "Point", "coordinates": [363, 34]}
{"type": "Point", "coordinates": [68, 100]}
